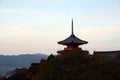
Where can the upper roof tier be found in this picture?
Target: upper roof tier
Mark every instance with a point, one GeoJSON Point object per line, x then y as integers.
{"type": "Point", "coordinates": [72, 39]}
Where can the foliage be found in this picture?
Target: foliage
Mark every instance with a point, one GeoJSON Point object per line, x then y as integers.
{"type": "Point", "coordinates": [76, 65]}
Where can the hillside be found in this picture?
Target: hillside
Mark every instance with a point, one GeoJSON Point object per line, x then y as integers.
{"type": "Point", "coordinates": [72, 65]}
{"type": "Point", "coordinates": [77, 66]}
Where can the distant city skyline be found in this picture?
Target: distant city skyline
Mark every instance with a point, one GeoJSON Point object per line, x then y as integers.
{"type": "Point", "coordinates": [35, 26]}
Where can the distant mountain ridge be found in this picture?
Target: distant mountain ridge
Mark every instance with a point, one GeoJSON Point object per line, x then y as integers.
{"type": "Point", "coordinates": [10, 62]}
{"type": "Point", "coordinates": [23, 60]}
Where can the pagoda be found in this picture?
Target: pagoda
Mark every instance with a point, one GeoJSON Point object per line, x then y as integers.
{"type": "Point", "coordinates": [72, 42]}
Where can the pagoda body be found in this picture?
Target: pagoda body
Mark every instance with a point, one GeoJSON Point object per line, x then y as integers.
{"type": "Point", "coordinates": [72, 42]}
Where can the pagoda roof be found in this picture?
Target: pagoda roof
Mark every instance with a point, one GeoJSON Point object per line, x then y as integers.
{"type": "Point", "coordinates": [72, 39]}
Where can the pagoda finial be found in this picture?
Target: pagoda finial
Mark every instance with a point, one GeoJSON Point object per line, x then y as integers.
{"type": "Point", "coordinates": [72, 26]}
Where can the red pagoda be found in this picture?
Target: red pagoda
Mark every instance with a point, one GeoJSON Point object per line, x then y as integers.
{"type": "Point", "coordinates": [72, 42]}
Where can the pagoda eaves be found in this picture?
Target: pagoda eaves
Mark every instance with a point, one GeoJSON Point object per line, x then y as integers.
{"type": "Point", "coordinates": [72, 39]}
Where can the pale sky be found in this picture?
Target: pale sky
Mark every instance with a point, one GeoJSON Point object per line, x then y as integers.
{"type": "Point", "coordinates": [35, 26]}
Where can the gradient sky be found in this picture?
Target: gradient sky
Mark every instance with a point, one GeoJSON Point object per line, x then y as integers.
{"type": "Point", "coordinates": [35, 26]}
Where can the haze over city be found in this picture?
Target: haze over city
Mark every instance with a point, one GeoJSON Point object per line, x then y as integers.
{"type": "Point", "coordinates": [35, 26]}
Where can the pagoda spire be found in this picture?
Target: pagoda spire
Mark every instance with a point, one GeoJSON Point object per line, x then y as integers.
{"type": "Point", "coordinates": [72, 27]}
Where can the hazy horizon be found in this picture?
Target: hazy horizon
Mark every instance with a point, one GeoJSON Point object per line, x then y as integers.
{"type": "Point", "coordinates": [35, 26]}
